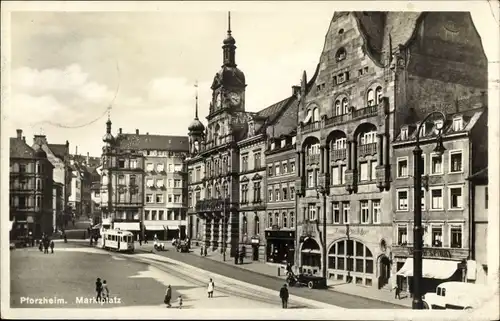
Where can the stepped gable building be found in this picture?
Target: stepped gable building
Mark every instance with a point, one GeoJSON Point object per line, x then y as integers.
{"type": "Point", "coordinates": [31, 190]}
{"type": "Point", "coordinates": [226, 193]}
{"type": "Point", "coordinates": [377, 70]}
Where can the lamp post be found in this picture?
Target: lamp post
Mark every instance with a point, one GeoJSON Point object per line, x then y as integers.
{"type": "Point", "coordinates": [224, 229]}
{"type": "Point", "coordinates": [348, 234]}
{"type": "Point", "coordinates": [321, 190]}
{"type": "Point", "coordinates": [417, 303]}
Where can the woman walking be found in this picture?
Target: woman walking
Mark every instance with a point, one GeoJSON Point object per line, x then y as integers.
{"type": "Point", "coordinates": [168, 296]}
{"type": "Point", "coordinates": [210, 288]}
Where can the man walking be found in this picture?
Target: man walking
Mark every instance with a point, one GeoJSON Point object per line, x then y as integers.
{"type": "Point", "coordinates": [98, 289]}
{"type": "Point", "coordinates": [397, 292]}
{"type": "Point", "coordinates": [52, 246]}
{"type": "Point", "coordinates": [284, 296]}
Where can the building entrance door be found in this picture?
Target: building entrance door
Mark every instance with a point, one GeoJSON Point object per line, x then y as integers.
{"type": "Point", "coordinates": [255, 252]}
{"type": "Point", "coordinates": [385, 271]}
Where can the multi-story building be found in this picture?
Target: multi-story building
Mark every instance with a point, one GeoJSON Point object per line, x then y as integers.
{"type": "Point", "coordinates": [58, 155]}
{"type": "Point", "coordinates": [446, 206]}
{"type": "Point", "coordinates": [31, 189]}
{"type": "Point", "coordinates": [87, 166]}
{"type": "Point", "coordinates": [226, 194]}
{"type": "Point", "coordinates": [281, 200]}
{"type": "Point", "coordinates": [122, 182]}
{"type": "Point", "coordinates": [376, 70]}
{"type": "Point", "coordinates": [75, 198]}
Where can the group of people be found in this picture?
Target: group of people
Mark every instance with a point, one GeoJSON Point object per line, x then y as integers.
{"type": "Point", "coordinates": [168, 298]}
{"type": "Point", "coordinates": [45, 243]}
{"type": "Point", "coordinates": [102, 290]}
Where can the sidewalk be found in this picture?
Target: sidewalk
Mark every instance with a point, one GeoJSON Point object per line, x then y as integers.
{"type": "Point", "coordinates": [270, 269]}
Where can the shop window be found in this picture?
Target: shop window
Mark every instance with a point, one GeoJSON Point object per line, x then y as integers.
{"type": "Point", "coordinates": [359, 280]}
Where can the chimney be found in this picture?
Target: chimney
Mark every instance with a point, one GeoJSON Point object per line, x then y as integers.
{"type": "Point", "coordinates": [19, 133]}
{"type": "Point", "coordinates": [295, 90]}
{"type": "Point", "coordinates": [119, 130]}
{"type": "Point", "coordinates": [24, 139]}
{"type": "Point", "coordinates": [67, 144]}
{"type": "Point", "coordinates": [88, 158]}
{"type": "Point", "coordinates": [147, 133]}
{"type": "Point", "coordinates": [76, 150]}
{"type": "Point", "coordinates": [40, 140]}
{"type": "Point", "coordinates": [137, 132]}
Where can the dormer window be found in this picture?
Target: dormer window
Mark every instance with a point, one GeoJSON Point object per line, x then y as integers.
{"type": "Point", "coordinates": [283, 142]}
{"type": "Point", "coordinates": [458, 123]}
{"type": "Point", "coordinates": [422, 130]}
{"type": "Point", "coordinates": [273, 145]}
{"type": "Point", "coordinates": [341, 54]}
{"type": "Point", "coordinates": [404, 133]}
{"type": "Point", "coordinates": [438, 126]}
{"type": "Point", "coordinates": [294, 139]}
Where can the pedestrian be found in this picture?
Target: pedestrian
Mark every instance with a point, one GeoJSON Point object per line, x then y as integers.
{"type": "Point", "coordinates": [180, 301]}
{"type": "Point", "coordinates": [205, 251]}
{"type": "Point", "coordinates": [168, 296]}
{"type": "Point", "coordinates": [397, 292]}
{"type": "Point", "coordinates": [52, 246]}
{"type": "Point", "coordinates": [98, 289]}
{"type": "Point", "coordinates": [40, 246]}
{"type": "Point", "coordinates": [105, 290]}
{"type": "Point", "coordinates": [210, 288]}
{"type": "Point", "coordinates": [46, 246]}
{"type": "Point", "coordinates": [145, 239]}
{"type": "Point", "coordinates": [284, 296]}
{"type": "Point", "coordinates": [201, 251]}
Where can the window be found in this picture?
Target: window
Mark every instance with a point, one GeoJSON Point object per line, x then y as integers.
{"type": "Point", "coordinates": [285, 167]}
{"type": "Point", "coordinates": [368, 138]}
{"type": "Point", "coordinates": [373, 170]}
{"type": "Point", "coordinates": [310, 179]}
{"type": "Point", "coordinates": [422, 130]}
{"type": "Point", "coordinates": [149, 167]}
{"type": "Point", "coordinates": [346, 209]}
{"type": "Point", "coordinates": [256, 160]}
{"type": "Point", "coordinates": [170, 196]}
{"type": "Point", "coordinates": [437, 236]}
{"type": "Point", "coordinates": [121, 179]}
{"type": "Point", "coordinates": [457, 124]}
{"type": "Point", "coordinates": [350, 256]}
{"type": "Point", "coordinates": [338, 108]}
{"type": "Point", "coordinates": [437, 199]}
{"type": "Point", "coordinates": [270, 195]}
{"type": "Point", "coordinates": [149, 182]}
{"type": "Point", "coordinates": [133, 163]}
{"type": "Point", "coordinates": [402, 200]}
{"type": "Point", "coordinates": [455, 161]}
{"type": "Point", "coordinates": [159, 183]}
{"type": "Point", "coordinates": [177, 199]}
{"type": "Point", "coordinates": [341, 54]}
{"type": "Point", "coordinates": [161, 215]}
{"type": "Point", "coordinates": [402, 167]}
{"type": "Point", "coordinates": [147, 216]}
{"type": "Point", "coordinates": [159, 198]}
{"type": "Point", "coordinates": [343, 169]}
{"type": "Point", "coordinates": [292, 167]}
{"type": "Point", "coordinates": [370, 98]}
{"type": "Point", "coordinates": [132, 180]}
{"type": "Point", "coordinates": [285, 193]}
{"type": "Point", "coordinates": [270, 220]}
{"type": "Point", "coordinates": [256, 192]}
{"type": "Point", "coordinates": [363, 171]}
{"type": "Point", "coordinates": [312, 212]}
{"type": "Point", "coordinates": [378, 95]}
{"type": "Point", "coordinates": [244, 193]}
{"type": "Point", "coordinates": [365, 212]}
{"type": "Point", "coordinates": [292, 221]}
{"type": "Point", "coordinates": [456, 201]}
{"type": "Point", "coordinates": [170, 168]}
{"type": "Point", "coordinates": [38, 201]}
{"type": "Point", "coordinates": [277, 169]}
{"type": "Point", "coordinates": [153, 215]}
{"type": "Point", "coordinates": [345, 107]}
{"type": "Point", "coordinates": [292, 193]}
{"type": "Point", "coordinates": [277, 194]}
{"type": "Point", "coordinates": [121, 163]}
{"type": "Point", "coordinates": [270, 170]}
{"type": "Point", "coordinates": [276, 219]}
{"type": "Point", "coordinates": [273, 144]}
{"type": "Point", "coordinates": [404, 133]}
{"type": "Point", "coordinates": [339, 143]}
{"type": "Point", "coordinates": [402, 235]}
{"type": "Point", "coordinates": [160, 167]}
{"type": "Point", "coordinates": [256, 225]}
{"type": "Point", "coordinates": [22, 168]}
{"type": "Point", "coordinates": [149, 198]}
{"type": "Point", "coordinates": [170, 183]}
{"type": "Point", "coordinates": [315, 115]}
{"type": "Point", "coordinates": [436, 164]}
{"type": "Point", "coordinates": [336, 212]}
{"type": "Point", "coordinates": [177, 183]}
{"type": "Point", "coordinates": [284, 219]}
{"type": "Point", "coordinates": [422, 193]}
{"type": "Point", "coordinates": [335, 175]}
{"type": "Point", "coordinates": [376, 211]}
{"type": "Point", "coordinates": [244, 163]}
{"type": "Point", "coordinates": [38, 184]}
{"type": "Point", "coordinates": [456, 236]}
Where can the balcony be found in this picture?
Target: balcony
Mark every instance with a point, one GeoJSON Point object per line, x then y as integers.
{"type": "Point", "coordinates": [366, 112]}
{"type": "Point", "coordinates": [212, 205]}
{"type": "Point", "coordinates": [337, 154]}
{"type": "Point", "coordinates": [313, 159]}
{"type": "Point", "coordinates": [367, 149]}
{"type": "Point", "coordinates": [311, 127]}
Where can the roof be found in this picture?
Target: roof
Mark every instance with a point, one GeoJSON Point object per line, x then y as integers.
{"type": "Point", "coordinates": [58, 150]}
{"type": "Point", "coordinates": [153, 142]}
{"type": "Point", "coordinates": [481, 175]}
{"type": "Point", "coordinates": [19, 149]}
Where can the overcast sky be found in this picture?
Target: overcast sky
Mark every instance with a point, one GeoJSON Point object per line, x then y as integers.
{"type": "Point", "coordinates": [66, 67]}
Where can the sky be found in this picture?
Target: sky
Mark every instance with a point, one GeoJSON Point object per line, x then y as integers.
{"type": "Point", "coordinates": [67, 67]}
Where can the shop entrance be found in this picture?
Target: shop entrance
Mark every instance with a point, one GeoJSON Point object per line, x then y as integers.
{"type": "Point", "coordinates": [255, 252]}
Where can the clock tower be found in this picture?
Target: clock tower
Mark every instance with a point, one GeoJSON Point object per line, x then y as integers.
{"type": "Point", "coordinates": [228, 86]}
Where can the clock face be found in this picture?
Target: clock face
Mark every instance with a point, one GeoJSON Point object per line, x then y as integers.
{"type": "Point", "coordinates": [234, 98]}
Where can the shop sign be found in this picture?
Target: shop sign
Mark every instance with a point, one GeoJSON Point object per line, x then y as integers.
{"type": "Point", "coordinates": [431, 252]}
{"type": "Point", "coordinates": [352, 231]}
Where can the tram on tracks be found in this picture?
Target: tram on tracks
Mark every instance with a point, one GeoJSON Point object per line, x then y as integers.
{"type": "Point", "coordinates": [118, 240]}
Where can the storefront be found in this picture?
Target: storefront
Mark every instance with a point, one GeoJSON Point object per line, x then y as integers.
{"type": "Point", "coordinates": [310, 256]}
{"type": "Point", "coordinates": [351, 261]}
{"type": "Point", "coordinates": [280, 246]}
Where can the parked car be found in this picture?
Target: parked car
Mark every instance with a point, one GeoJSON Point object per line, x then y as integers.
{"type": "Point", "coordinates": [457, 296]}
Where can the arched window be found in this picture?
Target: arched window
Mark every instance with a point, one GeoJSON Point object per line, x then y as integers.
{"type": "Point", "coordinates": [370, 98]}
{"type": "Point", "coordinates": [350, 256]}
{"type": "Point", "coordinates": [344, 106]}
{"type": "Point", "coordinates": [309, 116]}
{"type": "Point", "coordinates": [284, 219]}
{"type": "Point", "coordinates": [315, 114]}
{"type": "Point", "coordinates": [341, 54]}
{"type": "Point", "coordinates": [292, 219]}
{"type": "Point", "coordinates": [313, 149]}
{"type": "Point", "coordinates": [270, 219]}
{"type": "Point", "coordinates": [256, 226]}
{"type": "Point", "coordinates": [378, 95]}
{"type": "Point", "coordinates": [245, 225]}
{"type": "Point", "coordinates": [310, 255]}
{"type": "Point", "coordinates": [277, 219]}
{"type": "Point", "coordinates": [338, 109]}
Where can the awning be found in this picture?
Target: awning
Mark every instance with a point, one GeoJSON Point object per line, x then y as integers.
{"type": "Point", "coordinates": [431, 269]}
{"type": "Point", "coordinates": [311, 251]}
{"type": "Point", "coordinates": [154, 227]}
{"type": "Point", "coordinates": [172, 227]}
{"type": "Point", "coordinates": [127, 226]}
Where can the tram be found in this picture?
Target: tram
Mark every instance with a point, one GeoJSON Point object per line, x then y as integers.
{"type": "Point", "coordinates": [118, 240]}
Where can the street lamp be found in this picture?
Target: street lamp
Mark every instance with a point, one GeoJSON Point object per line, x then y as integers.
{"type": "Point", "coordinates": [224, 229]}
{"type": "Point", "coordinates": [348, 234]}
{"type": "Point", "coordinates": [417, 303]}
{"type": "Point", "coordinates": [321, 190]}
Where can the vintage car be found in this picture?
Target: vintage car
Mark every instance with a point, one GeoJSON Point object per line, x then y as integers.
{"type": "Point", "coordinates": [312, 281]}
{"type": "Point", "coordinates": [182, 246]}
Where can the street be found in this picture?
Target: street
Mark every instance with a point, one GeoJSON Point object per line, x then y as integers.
{"type": "Point", "coordinates": [329, 297]}
{"type": "Point", "coordinates": [68, 277]}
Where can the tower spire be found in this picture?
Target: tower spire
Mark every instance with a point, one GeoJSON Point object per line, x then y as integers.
{"type": "Point", "coordinates": [196, 105]}
{"type": "Point", "coordinates": [229, 23]}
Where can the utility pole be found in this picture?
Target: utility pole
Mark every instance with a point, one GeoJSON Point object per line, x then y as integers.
{"type": "Point", "coordinates": [224, 241]}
